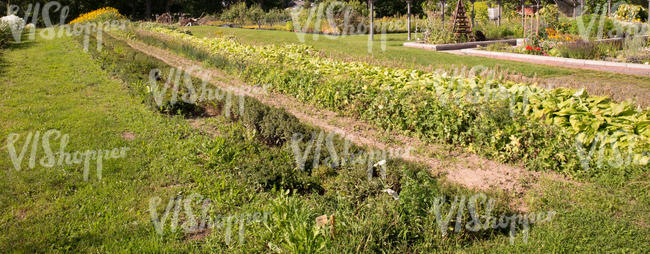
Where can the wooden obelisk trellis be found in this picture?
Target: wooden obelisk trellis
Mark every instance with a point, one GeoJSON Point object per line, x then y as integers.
{"type": "Point", "coordinates": [462, 26]}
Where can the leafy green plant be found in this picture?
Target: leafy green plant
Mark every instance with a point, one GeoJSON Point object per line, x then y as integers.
{"type": "Point", "coordinates": [550, 15]}
{"type": "Point", "coordinates": [509, 28]}
{"type": "Point", "coordinates": [435, 107]}
{"type": "Point", "coordinates": [588, 50]}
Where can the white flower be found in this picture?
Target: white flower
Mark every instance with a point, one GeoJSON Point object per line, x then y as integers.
{"type": "Point", "coordinates": [30, 26]}
{"type": "Point", "coordinates": [12, 22]}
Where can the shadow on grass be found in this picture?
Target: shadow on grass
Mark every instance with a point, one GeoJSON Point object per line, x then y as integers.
{"type": "Point", "coordinates": [3, 63]}
{"type": "Point", "coordinates": [20, 45]}
{"type": "Point", "coordinates": [11, 47]}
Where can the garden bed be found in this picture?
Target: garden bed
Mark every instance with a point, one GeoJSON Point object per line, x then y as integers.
{"type": "Point", "coordinates": [632, 50]}
{"type": "Point", "coordinates": [462, 45]}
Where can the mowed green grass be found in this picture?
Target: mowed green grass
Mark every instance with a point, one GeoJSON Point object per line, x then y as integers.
{"type": "Point", "coordinates": [54, 85]}
{"type": "Point", "coordinates": [355, 47]}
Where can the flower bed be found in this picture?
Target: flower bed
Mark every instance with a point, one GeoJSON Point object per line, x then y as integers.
{"type": "Point", "coordinates": [630, 50]}
{"type": "Point", "coordinates": [99, 15]}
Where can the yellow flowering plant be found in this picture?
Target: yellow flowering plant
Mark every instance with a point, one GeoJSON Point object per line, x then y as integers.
{"type": "Point", "coordinates": [99, 15]}
{"type": "Point", "coordinates": [631, 13]}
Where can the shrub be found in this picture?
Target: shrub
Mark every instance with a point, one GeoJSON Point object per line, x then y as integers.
{"type": "Point", "coordinates": [507, 30]}
{"type": "Point", "coordinates": [481, 11]}
{"type": "Point", "coordinates": [354, 11]}
{"type": "Point", "coordinates": [587, 50]}
{"type": "Point", "coordinates": [243, 15]}
{"type": "Point", "coordinates": [550, 14]}
{"type": "Point", "coordinates": [274, 126]}
{"type": "Point", "coordinates": [435, 32]}
{"type": "Point", "coordinates": [5, 34]}
{"type": "Point", "coordinates": [574, 28]}
{"type": "Point", "coordinates": [236, 14]}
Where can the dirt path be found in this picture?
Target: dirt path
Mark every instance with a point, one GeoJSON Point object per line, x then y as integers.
{"type": "Point", "coordinates": [458, 167]}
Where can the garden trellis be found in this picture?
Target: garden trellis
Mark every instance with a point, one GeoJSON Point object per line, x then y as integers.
{"type": "Point", "coordinates": [461, 24]}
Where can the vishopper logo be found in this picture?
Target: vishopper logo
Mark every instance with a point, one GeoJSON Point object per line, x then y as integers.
{"type": "Point", "coordinates": [62, 157]}
{"type": "Point", "coordinates": [599, 20]}
{"type": "Point", "coordinates": [179, 87]}
{"type": "Point", "coordinates": [193, 223]}
{"type": "Point", "coordinates": [478, 222]}
{"type": "Point", "coordinates": [373, 159]}
{"type": "Point", "coordinates": [50, 31]}
{"type": "Point", "coordinates": [490, 91]}
{"type": "Point", "coordinates": [340, 18]}
{"type": "Point", "coordinates": [603, 149]}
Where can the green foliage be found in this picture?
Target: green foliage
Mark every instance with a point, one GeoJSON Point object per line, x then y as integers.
{"type": "Point", "coordinates": [170, 157]}
{"type": "Point", "coordinates": [237, 13]}
{"type": "Point", "coordinates": [274, 126]}
{"type": "Point", "coordinates": [127, 64]}
{"type": "Point", "coordinates": [357, 202]}
{"type": "Point", "coordinates": [509, 29]}
{"type": "Point", "coordinates": [588, 50]}
{"type": "Point", "coordinates": [594, 26]}
{"type": "Point", "coordinates": [5, 35]}
{"type": "Point", "coordinates": [550, 15]}
{"type": "Point", "coordinates": [437, 107]}
{"type": "Point", "coordinates": [242, 14]}
{"type": "Point", "coordinates": [436, 32]}
{"type": "Point", "coordinates": [481, 11]}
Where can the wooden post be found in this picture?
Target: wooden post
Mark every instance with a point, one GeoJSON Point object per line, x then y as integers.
{"type": "Point", "coordinates": [499, 17]}
{"type": "Point", "coordinates": [372, 17]}
{"type": "Point", "coordinates": [444, 2]}
{"type": "Point", "coordinates": [609, 8]}
{"type": "Point", "coordinates": [537, 16]}
{"type": "Point", "coordinates": [408, 11]}
{"type": "Point", "coordinates": [523, 18]}
{"type": "Point", "coordinates": [530, 27]}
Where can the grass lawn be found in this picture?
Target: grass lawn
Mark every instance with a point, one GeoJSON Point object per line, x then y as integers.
{"type": "Point", "coordinates": [55, 85]}
{"type": "Point", "coordinates": [355, 47]}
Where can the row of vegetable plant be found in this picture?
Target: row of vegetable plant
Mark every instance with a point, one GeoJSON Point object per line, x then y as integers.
{"type": "Point", "coordinates": [514, 122]}
{"type": "Point", "coordinates": [257, 151]}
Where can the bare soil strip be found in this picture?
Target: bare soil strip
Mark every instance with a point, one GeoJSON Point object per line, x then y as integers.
{"type": "Point", "coordinates": [458, 167]}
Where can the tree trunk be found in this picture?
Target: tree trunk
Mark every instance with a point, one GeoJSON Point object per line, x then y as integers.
{"type": "Point", "coordinates": [523, 17]}
{"type": "Point", "coordinates": [147, 9]}
{"type": "Point", "coordinates": [444, 2]}
{"type": "Point", "coordinates": [609, 8]}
